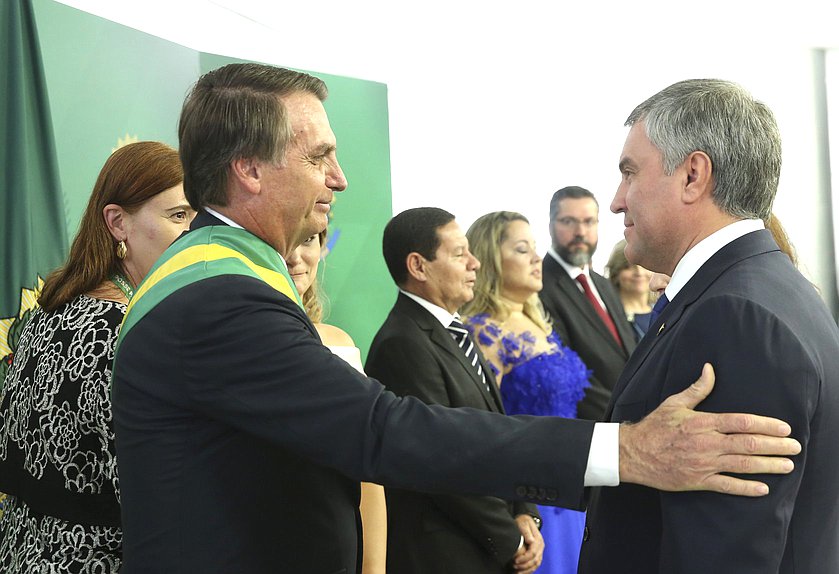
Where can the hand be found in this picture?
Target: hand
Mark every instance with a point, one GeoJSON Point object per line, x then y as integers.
{"type": "Point", "coordinates": [676, 448]}
{"type": "Point", "coordinates": [529, 556]}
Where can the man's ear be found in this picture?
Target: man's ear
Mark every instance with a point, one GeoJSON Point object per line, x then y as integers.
{"type": "Point", "coordinates": [248, 173]}
{"type": "Point", "coordinates": [416, 266]}
{"type": "Point", "coordinates": [116, 220]}
{"type": "Point", "coordinates": [700, 177]}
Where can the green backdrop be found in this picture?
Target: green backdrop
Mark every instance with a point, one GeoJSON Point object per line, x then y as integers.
{"type": "Point", "coordinates": [108, 84]}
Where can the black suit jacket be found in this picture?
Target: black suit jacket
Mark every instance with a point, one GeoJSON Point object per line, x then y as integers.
{"type": "Point", "coordinates": [241, 439]}
{"type": "Point", "coordinates": [580, 327]}
{"type": "Point", "coordinates": [413, 354]}
{"type": "Point", "coordinates": [775, 350]}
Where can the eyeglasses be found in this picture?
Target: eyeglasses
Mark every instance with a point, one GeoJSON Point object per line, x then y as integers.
{"type": "Point", "coordinates": [574, 222]}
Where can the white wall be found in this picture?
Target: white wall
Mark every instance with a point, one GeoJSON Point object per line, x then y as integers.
{"type": "Point", "coordinates": [497, 108]}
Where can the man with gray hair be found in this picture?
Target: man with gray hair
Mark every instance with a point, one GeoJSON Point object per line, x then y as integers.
{"type": "Point", "coordinates": [241, 439]}
{"type": "Point", "coordinates": [699, 172]}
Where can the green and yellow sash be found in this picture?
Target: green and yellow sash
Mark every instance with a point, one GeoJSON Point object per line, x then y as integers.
{"type": "Point", "coordinates": [203, 253]}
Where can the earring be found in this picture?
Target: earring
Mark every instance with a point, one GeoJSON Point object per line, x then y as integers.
{"type": "Point", "coordinates": [122, 250]}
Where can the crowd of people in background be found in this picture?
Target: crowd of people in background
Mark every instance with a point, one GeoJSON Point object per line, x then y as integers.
{"type": "Point", "coordinates": [482, 319]}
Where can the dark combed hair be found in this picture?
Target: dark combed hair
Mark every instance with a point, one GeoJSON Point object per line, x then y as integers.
{"type": "Point", "coordinates": [412, 231]}
{"type": "Point", "coordinates": [569, 192]}
{"type": "Point", "coordinates": [231, 113]}
{"type": "Point", "coordinates": [132, 175]}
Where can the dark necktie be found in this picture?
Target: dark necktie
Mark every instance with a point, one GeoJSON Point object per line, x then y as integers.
{"type": "Point", "coordinates": [464, 341]}
{"type": "Point", "coordinates": [601, 312]}
{"type": "Point", "coordinates": [659, 307]}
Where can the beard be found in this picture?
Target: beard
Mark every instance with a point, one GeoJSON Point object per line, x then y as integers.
{"type": "Point", "coordinates": [577, 253]}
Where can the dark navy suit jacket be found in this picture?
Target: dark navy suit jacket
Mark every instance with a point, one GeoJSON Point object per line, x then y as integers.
{"type": "Point", "coordinates": [241, 439]}
{"type": "Point", "coordinates": [775, 350]}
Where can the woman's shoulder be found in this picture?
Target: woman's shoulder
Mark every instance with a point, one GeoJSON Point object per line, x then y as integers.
{"type": "Point", "coordinates": [333, 336]}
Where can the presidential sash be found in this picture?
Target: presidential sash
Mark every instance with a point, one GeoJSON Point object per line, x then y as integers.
{"type": "Point", "coordinates": [203, 253]}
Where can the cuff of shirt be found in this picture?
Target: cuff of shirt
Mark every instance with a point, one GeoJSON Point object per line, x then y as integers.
{"type": "Point", "coordinates": [603, 467]}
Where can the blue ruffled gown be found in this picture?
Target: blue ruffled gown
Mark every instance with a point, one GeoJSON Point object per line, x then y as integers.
{"type": "Point", "coordinates": [546, 384]}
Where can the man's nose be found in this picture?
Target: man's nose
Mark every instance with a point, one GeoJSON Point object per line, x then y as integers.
{"type": "Point", "coordinates": [336, 181]}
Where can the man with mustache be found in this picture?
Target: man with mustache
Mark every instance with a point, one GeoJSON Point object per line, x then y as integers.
{"type": "Point", "coordinates": [586, 312]}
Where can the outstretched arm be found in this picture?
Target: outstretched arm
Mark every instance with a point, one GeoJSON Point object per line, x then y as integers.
{"type": "Point", "coordinates": [676, 448]}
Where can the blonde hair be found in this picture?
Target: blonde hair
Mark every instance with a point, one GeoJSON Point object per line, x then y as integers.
{"type": "Point", "coordinates": [485, 237]}
{"type": "Point", "coordinates": [312, 299]}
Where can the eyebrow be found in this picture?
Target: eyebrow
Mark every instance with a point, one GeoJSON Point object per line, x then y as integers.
{"type": "Point", "coordinates": [624, 163]}
{"type": "Point", "coordinates": [324, 149]}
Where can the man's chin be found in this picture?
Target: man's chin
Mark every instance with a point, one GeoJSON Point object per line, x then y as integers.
{"type": "Point", "coordinates": [576, 258]}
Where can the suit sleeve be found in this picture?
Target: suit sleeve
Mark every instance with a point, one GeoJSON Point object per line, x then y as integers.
{"type": "Point", "coordinates": [407, 368]}
{"type": "Point", "coordinates": [254, 364]}
{"type": "Point", "coordinates": [762, 369]}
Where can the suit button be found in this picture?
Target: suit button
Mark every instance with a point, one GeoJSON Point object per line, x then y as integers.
{"type": "Point", "coordinates": [531, 492]}
{"type": "Point", "coordinates": [552, 494]}
{"type": "Point", "coordinates": [521, 491]}
{"type": "Point", "coordinates": [542, 494]}
{"type": "Point", "coordinates": [585, 534]}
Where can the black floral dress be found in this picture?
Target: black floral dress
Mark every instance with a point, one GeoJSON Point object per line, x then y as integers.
{"type": "Point", "coordinates": [57, 460]}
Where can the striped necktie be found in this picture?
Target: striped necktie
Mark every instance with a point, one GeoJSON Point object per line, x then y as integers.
{"type": "Point", "coordinates": [467, 345]}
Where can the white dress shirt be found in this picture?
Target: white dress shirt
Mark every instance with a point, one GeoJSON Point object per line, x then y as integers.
{"type": "Point", "coordinates": [602, 466]}
{"type": "Point", "coordinates": [574, 272]}
{"type": "Point", "coordinates": [697, 255]}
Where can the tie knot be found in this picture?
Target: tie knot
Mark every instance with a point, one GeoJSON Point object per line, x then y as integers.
{"type": "Point", "coordinates": [583, 280]}
{"type": "Point", "coordinates": [457, 329]}
{"type": "Point", "coordinates": [660, 304]}
{"type": "Point", "coordinates": [659, 307]}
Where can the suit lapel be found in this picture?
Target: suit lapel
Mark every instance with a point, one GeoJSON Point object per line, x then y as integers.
{"type": "Point", "coordinates": [615, 309]}
{"type": "Point", "coordinates": [742, 248]}
{"type": "Point", "coordinates": [446, 343]}
{"type": "Point", "coordinates": [572, 293]}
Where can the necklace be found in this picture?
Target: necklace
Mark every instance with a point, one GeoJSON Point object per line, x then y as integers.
{"type": "Point", "coordinates": [122, 283]}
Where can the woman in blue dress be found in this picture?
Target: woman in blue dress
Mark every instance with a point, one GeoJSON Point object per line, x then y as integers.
{"type": "Point", "coordinates": [537, 374]}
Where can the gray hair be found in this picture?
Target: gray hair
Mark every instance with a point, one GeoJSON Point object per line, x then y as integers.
{"type": "Point", "coordinates": [737, 132]}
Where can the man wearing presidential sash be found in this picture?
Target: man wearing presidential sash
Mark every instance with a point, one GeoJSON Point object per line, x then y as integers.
{"type": "Point", "coordinates": [241, 439]}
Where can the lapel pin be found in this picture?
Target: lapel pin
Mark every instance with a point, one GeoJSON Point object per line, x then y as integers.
{"type": "Point", "coordinates": [660, 329]}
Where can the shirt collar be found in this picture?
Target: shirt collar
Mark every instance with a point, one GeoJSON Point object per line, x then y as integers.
{"type": "Point", "coordinates": [224, 218]}
{"type": "Point", "coordinates": [439, 313]}
{"type": "Point", "coordinates": [232, 223]}
{"type": "Point", "coordinates": [704, 250]}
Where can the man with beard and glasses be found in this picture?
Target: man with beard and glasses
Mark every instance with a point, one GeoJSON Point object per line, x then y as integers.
{"type": "Point", "coordinates": [586, 312]}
